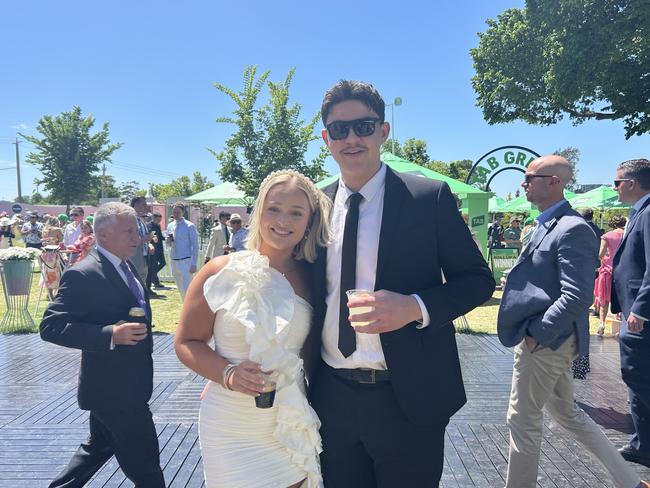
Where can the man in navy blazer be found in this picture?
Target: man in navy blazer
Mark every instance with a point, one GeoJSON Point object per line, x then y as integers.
{"type": "Point", "coordinates": [631, 298]}
{"type": "Point", "coordinates": [544, 314]}
{"type": "Point", "coordinates": [91, 313]}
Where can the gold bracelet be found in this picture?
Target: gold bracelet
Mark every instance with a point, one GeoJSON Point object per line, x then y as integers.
{"type": "Point", "coordinates": [226, 374]}
{"type": "Point", "coordinates": [231, 373]}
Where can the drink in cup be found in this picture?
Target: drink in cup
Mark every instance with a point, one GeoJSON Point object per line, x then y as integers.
{"type": "Point", "coordinates": [266, 398]}
{"type": "Point", "coordinates": [359, 310]}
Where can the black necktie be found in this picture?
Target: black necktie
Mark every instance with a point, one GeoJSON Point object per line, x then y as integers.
{"type": "Point", "coordinates": [347, 337]}
{"type": "Point", "coordinates": [225, 230]}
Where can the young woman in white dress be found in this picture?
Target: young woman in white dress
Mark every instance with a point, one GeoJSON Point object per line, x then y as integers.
{"type": "Point", "coordinates": [254, 304]}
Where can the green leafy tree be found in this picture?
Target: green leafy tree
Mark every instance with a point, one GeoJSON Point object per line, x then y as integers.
{"type": "Point", "coordinates": [129, 189]}
{"type": "Point", "coordinates": [266, 138]}
{"type": "Point", "coordinates": [181, 187]}
{"type": "Point", "coordinates": [394, 147]}
{"type": "Point", "coordinates": [415, 151]}
{"type": "Point", "coordinates": [68, 155]}
{"type": "Point", "coordinates": [572, 155]}
{"type": "Point", "coordinates": [587, 59]}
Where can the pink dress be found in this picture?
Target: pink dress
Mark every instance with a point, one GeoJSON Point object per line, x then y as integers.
{"type": "Point", "coordinates": [603, 287]}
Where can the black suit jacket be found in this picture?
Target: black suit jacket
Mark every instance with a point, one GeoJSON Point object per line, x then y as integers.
{"type": "Point", "coordinates": [631, 276]}
{"type": "Point", "coordinates": [92, 296]}
{"type": "Point", "coordinates": [423, 363]}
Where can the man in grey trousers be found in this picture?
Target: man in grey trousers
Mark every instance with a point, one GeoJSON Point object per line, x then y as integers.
{"type": "Point", "coordinates": [544, 314]}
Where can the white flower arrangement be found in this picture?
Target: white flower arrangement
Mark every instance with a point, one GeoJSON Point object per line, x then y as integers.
{"type": "Point", "coordinates": [19, 254]}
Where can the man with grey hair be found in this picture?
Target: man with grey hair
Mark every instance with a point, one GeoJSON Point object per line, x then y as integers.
{"type": "Point", "coordinates": [631, 298]}
{"type": "Point", "coordinates": [544, 314]}
{"type": "Point", "coordinates": [92, 312]}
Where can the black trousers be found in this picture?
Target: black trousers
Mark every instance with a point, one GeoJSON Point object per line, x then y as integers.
{"type": "Point", "coordinates": [367, 440]}
{"type": "Point", "coordinates": [156, 263]}
{"type": "Point", "coordinates": [131, 436]}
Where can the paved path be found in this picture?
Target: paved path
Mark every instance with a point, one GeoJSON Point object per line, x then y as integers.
{"type": "Point", "coordinates": [41, 426]}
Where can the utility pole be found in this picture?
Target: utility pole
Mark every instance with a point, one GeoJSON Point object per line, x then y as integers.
{"type": "Point", "coordinates": [20, 192]}
{"type": "Point", "coordinates": [103, 178]}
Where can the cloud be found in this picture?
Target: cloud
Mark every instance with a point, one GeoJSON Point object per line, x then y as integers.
{"type": "Point", "coordinates": [21, 126]}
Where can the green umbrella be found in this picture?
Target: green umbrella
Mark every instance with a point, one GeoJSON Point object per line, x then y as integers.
{"type": "Point", "coordinates": [495, 202]}
{"type": "Point", "coordinates": [522, 205]}
{"type": "Point", "coordinates": [223, 194]}
{"type": "Point", "coordinates": [601, 198]}
{"type": "Point", "coordinates": [403, 166]}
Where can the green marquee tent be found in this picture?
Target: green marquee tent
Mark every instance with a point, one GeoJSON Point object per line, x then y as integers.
{"type": "Point", "coordinates": [223, 194]}
{"type": "Point", "coordinates": [522, 205]}
{"type": "Point", "coordinates": [602, 198]}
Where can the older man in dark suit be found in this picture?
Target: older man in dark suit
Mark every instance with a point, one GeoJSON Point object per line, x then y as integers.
{"type": "Point", "coordinates": [91, 313]}
{"type": "Point", "coordinates": [544, 313]}
{"type": "Point", "coordinates": [385, 391]}
{"type": "Point", "coordinates": [631, 297]}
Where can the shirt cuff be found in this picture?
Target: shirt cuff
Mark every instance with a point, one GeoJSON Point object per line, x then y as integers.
{"type": "Point", "coordinates": [426, 320]}
{"type": "Point", "coordinates": [638, 316]}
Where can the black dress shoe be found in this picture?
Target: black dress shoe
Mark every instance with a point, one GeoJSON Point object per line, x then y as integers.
{"type": "Point", "coordinates": [634, 456]}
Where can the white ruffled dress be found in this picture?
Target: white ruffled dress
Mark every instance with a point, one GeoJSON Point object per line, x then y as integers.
{"type": "Point", "coordinates": [259, 317]}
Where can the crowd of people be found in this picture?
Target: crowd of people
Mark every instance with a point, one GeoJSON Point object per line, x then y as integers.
{"type": "Point", "coordinates": [330, 354]}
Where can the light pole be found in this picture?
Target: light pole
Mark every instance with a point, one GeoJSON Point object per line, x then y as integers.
{"type": "Point", "coordinates": [396, 103]}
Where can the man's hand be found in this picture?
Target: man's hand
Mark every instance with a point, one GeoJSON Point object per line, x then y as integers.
{"type": "Point", "coordinates": [635, 324]}
{"type": "Point", "coordinates": [531, 343]}
{"type": "Point", "coordinates": [193, 269]}
{"type": "Point", "coordinates": [392, 311]}
{"type": "Point", "coordinates": [128, 333]}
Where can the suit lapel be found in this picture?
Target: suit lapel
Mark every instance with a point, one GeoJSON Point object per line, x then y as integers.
{"type": "Point", "coordinates": [540, 234]}
{"type": "Point", "coordinates": [631, 225]}
{"type": "Point", "coordinates": [113, 276]}
{"type": "Point", "coordinates": [388, 238]}
{"type": "Point", "coordinates": [320, 266]}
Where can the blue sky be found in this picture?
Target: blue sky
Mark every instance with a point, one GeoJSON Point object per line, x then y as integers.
{"type": "Point", "coordinates": [148, 68]}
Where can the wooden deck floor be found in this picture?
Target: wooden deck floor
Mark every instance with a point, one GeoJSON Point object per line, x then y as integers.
{"type": "Point", "coordinates": [41, 425]}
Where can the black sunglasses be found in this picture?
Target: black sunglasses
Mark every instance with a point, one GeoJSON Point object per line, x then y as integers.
{"type": "Point", "coordinates": [529, 178]}
{"type": "Point", "coordinates": [617, 183]}
{"type": "Point", "coordinates": [74, 215]}
{"type": "Point", "coordinates": [339, 129]}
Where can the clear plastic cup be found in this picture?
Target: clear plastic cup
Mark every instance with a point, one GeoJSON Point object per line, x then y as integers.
{"type": "Point", "coordinates": [358, 310]}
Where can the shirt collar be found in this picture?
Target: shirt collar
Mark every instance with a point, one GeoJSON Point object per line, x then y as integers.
{"type": "Point", "coordinates": [545, 216]}
{"type": "Point", "coordinates": [371, 188]}
{"type": "Point", "coordinates": [115, 261]}
{"type": "Point", "coordinates": [637, 206]}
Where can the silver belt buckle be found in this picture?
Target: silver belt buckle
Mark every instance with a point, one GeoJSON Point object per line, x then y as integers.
{"type": "Point", "coordinates": [372, 377]}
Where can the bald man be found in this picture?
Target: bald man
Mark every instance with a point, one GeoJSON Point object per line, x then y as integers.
{"type": "Point", "coordinates": [544, 313]}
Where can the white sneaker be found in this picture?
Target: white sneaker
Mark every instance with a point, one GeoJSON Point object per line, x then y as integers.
{"type": "Point", "coordinates": [601, 330]}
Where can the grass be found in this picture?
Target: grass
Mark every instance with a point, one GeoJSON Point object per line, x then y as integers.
{"type": "Point", "coordinates": [166, 310]}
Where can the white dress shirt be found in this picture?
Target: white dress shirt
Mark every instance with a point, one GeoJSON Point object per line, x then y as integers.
{"type": "Point", "coordinates": [369, 353]}
{"type": "Point", "coordinates": [71, 233]}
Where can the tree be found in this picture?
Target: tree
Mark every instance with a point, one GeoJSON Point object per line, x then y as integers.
{"type": "Point", "coordinates": [392, 146]}
{"type": "Point", "coordinates": [415, 150]}
{"type": "Point", "coordinates": [181, 187]}
{"type": "Point", "coordinates": [587, 59]}
{"type": "Point", "coordinates": [68, 155]}
{"type": "Point", "coordinates": [268, 138]}
{"type": "Point", "coordinates": [129, 189]}
{"type": "Point", "coordinates": [572, 155]}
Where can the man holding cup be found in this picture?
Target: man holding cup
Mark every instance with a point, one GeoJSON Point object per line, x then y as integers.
{"type": "Point", "coordinates": [385, 391]}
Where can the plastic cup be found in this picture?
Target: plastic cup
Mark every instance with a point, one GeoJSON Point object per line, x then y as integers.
{"type": "Point", "coordinates": [267, 397]}
{"type": "Point", "coordinates": [358, 310]}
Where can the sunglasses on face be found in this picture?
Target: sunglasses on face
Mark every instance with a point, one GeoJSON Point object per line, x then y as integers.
{"type": "Point", "coordinates": [618, 182]}
{"type": "Point", "coordinates": [339, 129]}
{"type": "Point", "coordinates": [74, 215]}
{"type": "Point", "coordinates": [529, 177]}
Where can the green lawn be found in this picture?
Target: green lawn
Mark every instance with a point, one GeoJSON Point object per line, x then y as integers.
{"type": "Point", "coordinates": [166, 311]}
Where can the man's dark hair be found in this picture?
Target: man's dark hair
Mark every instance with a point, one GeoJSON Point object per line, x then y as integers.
{"type": "Point", "coordinates": [156, 214]}
{"type": "Point", "coordinates": [346, 90]}
{"type": "Point", "coordinates": [78, 210]}
{"type": "Point", "coordinates": [179, 205]}
{"type": "Point", "coordinates": [637, 170]}
{"type": "Point", "coordinates": [587, 213]}
{"type": "Point", "coordinates": [617, 222]}
{"type": "Point", "coordinates": [223, 213]}
{"type": "Point", "coordinates": [135, 200]}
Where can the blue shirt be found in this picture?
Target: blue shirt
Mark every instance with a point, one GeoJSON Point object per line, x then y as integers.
{"type": "Point", "coordinates": [545, 216]}
{"type": "Point", "coordinates": [186, 242]}
{"type": "Point", "coordinates": [238, 239]}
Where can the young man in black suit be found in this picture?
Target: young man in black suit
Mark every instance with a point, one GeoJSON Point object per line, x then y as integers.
{"type": "Point", "coordinates": [385, 391]}
{"type": "Point", "coordinates": [91, 313]}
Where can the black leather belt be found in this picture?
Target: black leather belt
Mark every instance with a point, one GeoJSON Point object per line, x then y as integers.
{"type": "Point", "coordinates": [362, 375]}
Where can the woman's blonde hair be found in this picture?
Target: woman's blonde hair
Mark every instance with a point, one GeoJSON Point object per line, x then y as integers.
{"type": "Point", "coordinates": [317, 233]}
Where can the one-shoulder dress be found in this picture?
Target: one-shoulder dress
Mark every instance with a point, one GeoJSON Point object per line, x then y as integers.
{"type": "Point", "coordinates": [259, 317]}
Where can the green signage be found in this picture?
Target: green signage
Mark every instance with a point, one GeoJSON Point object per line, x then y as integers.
{"type": "Point", "coordinates": [478, 221]}
{"type": "Point", "coordinates": [498, 160]}
{"type": "Point", "coordinates": [502, 260]}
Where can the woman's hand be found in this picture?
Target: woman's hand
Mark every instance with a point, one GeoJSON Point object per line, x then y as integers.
{"type": "Point", "coordinates": [246, 378]}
